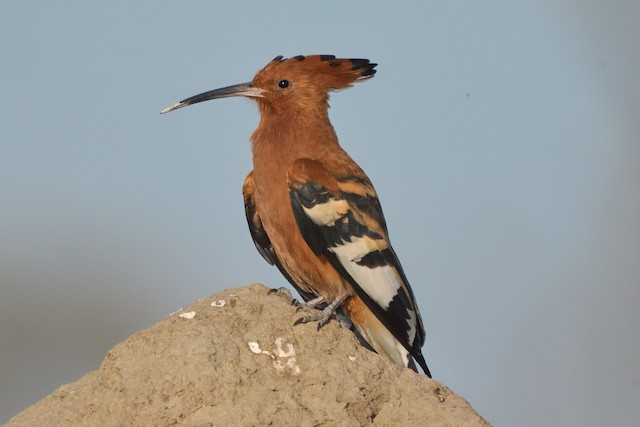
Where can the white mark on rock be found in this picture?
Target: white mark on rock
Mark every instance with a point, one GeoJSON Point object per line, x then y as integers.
{"type": "Point", "coordinates": [219, 303]}
{"type": "Point", "coordinates": [352, 358]}
{"type": "Point", "coordinates": [283, 355]}
{"type": "Point", "coordinates": [176, 312]}
{"type": "Point", "coordinates": [291, 363]}
{"type": "Point", "coordinates": [254, 347]}
{"type": "Point", "coordinates": [188, 315]}
{"type": "Point", "coordinates": [280, 352]}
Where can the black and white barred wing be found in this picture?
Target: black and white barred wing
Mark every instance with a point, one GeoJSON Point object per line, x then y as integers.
{"type": "Point", "coordinates": [341, 219]}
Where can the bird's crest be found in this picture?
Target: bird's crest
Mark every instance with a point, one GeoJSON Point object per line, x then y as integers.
{"type": "Point", "coordinates": [323, 72]}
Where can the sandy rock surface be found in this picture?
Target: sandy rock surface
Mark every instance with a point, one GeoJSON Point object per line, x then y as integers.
{"type": "Point", "coordinates": [235, 359]}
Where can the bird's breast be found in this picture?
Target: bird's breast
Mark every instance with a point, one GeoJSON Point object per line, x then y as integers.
{"type": "Point", "coordinates": [312, 273]}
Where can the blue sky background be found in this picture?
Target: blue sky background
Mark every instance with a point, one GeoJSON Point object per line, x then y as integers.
{"type": "Point", "coordinates": [502, 137]}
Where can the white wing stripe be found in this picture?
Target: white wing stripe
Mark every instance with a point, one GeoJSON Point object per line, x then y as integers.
{"type": "Point", "coordinates": [411, 322]}
{"type": "Point", "coordinates": [380, 283]}
{"type": "Point", "coordinates": [326, 214]}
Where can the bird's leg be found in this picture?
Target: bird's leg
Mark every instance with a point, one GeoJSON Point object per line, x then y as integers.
{"type": "Point", "coordinates": [286, 294]}
{"type": "Point", "coordinates": [322, 316]}
{"type": "Point", "coordinates": [311, 304]}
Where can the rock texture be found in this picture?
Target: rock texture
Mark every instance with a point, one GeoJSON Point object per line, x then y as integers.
{"type": "Point", "coordinates": [235, 359]}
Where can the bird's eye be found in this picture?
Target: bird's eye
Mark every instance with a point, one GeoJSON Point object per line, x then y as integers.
{"type": "Point", "coordinates": [283, 84]}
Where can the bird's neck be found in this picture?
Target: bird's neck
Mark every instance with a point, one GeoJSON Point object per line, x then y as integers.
{"type": "Point", "coordinates": [282, 138]}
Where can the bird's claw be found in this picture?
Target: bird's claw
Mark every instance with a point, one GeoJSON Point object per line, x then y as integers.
{"type": "Point", "coordinates": [286, 294]}
{"type": "Point", "coordinates": [322, 316]}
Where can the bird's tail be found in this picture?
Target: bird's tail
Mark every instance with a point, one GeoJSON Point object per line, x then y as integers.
{"type": "Point", "coordinates": [380, 338]}
{"type": "Point", "coordinates": [418, 357]}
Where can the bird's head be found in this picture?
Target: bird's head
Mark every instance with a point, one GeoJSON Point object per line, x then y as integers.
{"type": "Point", "coordinates": [294, 83]}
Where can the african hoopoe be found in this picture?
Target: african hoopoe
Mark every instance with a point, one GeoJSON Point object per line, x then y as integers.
{"type": "Point", "coordinates": [313, 212]}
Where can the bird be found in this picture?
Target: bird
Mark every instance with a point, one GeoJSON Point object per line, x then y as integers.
{"type": "Point", "coordinates": [313, 212]}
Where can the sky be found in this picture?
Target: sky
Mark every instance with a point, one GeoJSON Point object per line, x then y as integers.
{"type": "Point", "coordinates": [502, 138]}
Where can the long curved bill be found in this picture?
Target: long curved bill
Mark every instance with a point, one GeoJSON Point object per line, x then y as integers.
{"type": "Point", "coordinates": [242, 89]}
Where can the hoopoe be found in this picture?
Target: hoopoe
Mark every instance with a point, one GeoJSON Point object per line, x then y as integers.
{"type": "Point", "coordinates": [314, 213]}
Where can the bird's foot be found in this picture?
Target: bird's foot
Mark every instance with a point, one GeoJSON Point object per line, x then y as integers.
{"type": "Point", "coordinates": [322, 316]}
{"type": "Point", "coordinates": [286, 294]}
{"type": "Point", "coordinates": [311, 304]}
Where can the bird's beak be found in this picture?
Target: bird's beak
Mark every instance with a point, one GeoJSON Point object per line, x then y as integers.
{"type": "Point", "coordinates": [243, 89]}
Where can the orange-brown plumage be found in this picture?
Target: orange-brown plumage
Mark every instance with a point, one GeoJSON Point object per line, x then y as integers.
{"type": "Point", "coordinates": [313, 212]}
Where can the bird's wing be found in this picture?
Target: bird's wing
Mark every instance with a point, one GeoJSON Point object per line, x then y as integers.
{"type": "Point", "coordinates": [260, 236]}
{"type": "Point", "coordinates": [341, 219]}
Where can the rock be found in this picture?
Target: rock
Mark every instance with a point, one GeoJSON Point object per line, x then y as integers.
{"type": "Point", "coordinates": [235, 359]}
